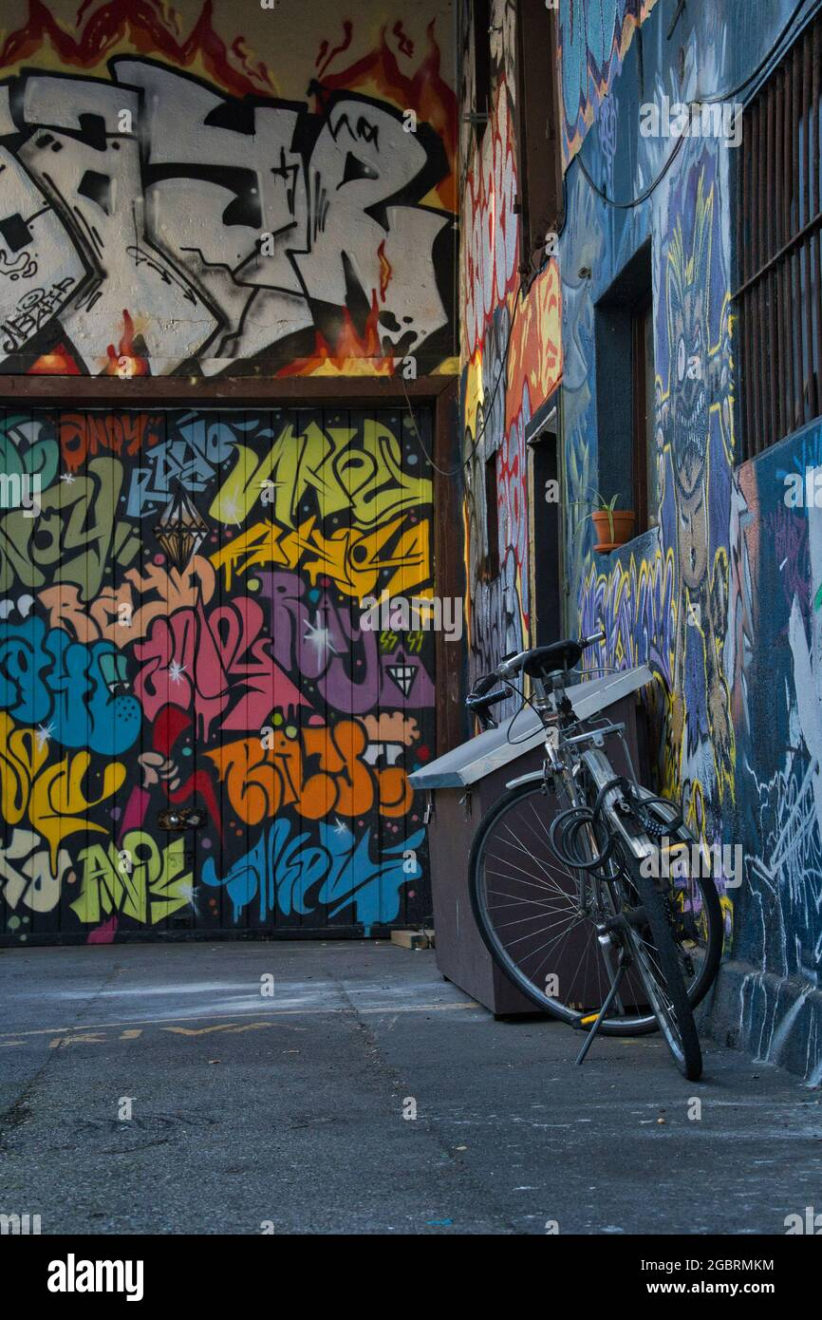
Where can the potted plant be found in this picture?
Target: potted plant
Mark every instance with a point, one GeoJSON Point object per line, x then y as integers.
{"type": "Point", "coordinates": [614, 527]}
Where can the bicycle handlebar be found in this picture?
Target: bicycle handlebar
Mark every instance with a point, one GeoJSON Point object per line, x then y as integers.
{"type": "Point", "coordinates": [511, 665]}
{"type": "Point", "coordinates": [508, 668]}
{"type": "Point", "coordinates": [484, 685]}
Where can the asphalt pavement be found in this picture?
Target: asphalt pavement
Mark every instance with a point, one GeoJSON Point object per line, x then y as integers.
{"type": "Point", "coordinates": [347, 1087]}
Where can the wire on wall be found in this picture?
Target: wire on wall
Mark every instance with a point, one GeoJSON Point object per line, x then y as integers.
{"type": "Point", "coordinates": [771, 57]}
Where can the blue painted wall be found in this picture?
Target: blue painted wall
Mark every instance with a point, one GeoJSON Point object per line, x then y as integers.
{"type": "Point", "coordinates": [736, 709]}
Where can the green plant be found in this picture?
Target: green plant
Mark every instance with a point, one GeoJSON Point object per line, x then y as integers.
{"type": "Point", "coordinates": [606, 506]}
{"type": "Point", "coordinates": [601, 505]}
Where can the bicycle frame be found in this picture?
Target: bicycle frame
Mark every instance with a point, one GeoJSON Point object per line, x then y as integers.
{"type": "Point", "coordinates": [602, 833]}
{"type": "Point", "coordinates": [560, 750]}
{"type": "Point", "coordinates": [564, 755]}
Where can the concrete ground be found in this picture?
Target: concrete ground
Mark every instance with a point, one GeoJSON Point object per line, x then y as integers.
{"type": "Point", "coordinates": [295, 1111]}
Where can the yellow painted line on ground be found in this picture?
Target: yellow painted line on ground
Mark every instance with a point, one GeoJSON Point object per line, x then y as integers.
{"type": "Point", "coordinates": [223, 1026]}
{"type": "Point", "coordinates": [79, 1039]}
{"type": "Point", "coordinates": [133, 1023]}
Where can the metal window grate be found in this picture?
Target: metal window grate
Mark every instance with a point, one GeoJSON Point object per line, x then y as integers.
{"type": "Point", "coordinates": [779, 301]}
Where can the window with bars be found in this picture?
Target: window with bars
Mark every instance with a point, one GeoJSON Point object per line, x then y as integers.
{"type": "Point", "coordinates": [779, 299]}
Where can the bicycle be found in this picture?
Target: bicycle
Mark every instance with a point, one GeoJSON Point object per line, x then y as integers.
{"type": "Point", "coordinates": [578, 879]}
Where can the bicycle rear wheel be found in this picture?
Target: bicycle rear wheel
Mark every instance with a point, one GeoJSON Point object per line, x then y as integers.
{"type": "Point", "coordinates": [535, 918]}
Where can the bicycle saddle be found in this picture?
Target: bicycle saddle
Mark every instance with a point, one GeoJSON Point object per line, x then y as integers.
{"type": "Point", "coordinates": [543, 661]}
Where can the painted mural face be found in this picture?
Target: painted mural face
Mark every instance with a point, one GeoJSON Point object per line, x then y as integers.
{"type": "Point", "coordinates": [693, 417]}
{"type": "Point", "coordinates": [671, 610]}
{"type": "Point", "coordinates": [155, 222]}
{"type": "Point", "coordinates": [180, 632]}
{"type": "Point", "coordinates": [688, 295]}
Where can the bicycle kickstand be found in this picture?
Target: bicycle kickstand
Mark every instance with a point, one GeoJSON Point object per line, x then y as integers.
{"type": "Point", "coordinates": [622, 968]}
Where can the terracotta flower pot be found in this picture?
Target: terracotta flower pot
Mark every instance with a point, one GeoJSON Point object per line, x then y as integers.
{"type": "Point", "coordinates": [613, 528]}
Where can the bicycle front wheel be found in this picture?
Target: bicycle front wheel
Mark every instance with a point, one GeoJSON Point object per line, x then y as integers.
{"type": "Point", "coordinates": [649, 932]}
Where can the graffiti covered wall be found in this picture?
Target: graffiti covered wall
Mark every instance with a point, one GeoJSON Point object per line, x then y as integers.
{"type": "Point", "coordinates": [594, 36]}
{"type": "Point", "coordinates": [511, 360]}
{"type": "Point", "coordinates": [181, 630]}
{"type": "Point", "coordinates": [226, 189]}
{"type": "Point", "coordinates": [719, 597]}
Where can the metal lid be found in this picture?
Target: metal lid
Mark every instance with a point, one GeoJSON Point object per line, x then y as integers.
{"type": "Point", "coordinates": [521, 733]}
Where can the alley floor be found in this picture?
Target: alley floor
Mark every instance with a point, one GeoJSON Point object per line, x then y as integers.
{"type": "Point", "coordinates": [367, 1094]}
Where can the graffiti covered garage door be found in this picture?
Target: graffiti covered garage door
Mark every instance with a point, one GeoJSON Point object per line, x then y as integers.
{"type": "Point", "coordinates": [181, 630]}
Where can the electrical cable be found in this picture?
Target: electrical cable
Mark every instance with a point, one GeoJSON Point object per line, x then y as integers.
{"type": "Point", "coordinates": [763, 63]}
{"type": "Point", "coordinates": [491, 679]}
{"type": "Point", "coordinates": [705, 100]}
{"type": "Point", "coordinates": [526, 701]}
{"type": "Point", "coordinates": [643, 196]}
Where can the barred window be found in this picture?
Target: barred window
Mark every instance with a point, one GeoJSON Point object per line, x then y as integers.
{"type": "Point", "coordinates": [779, 299]}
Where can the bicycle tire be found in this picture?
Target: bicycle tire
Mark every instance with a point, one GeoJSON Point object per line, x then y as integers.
{"type": "Point", "coordinates": [678, 1020]}
{"type": "Point", "coordinates": [630, 1025]}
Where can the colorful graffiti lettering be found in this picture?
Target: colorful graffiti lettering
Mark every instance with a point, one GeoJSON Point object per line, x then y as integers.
{"type": "Point", "coordinates": [51, 798]}
{"type": "Point", "coordinates": [180, 623]}
{"type": "Point", "coordinates": [75, 538]}
{"type": "Point", "coordinates": [141, 880]}
{"type": "Point", "coordinates": [88, 434]}
{"type": "Point", "coordinates": [30, 880]}
{"type": "Point", "coordinates": [365, 481]}
{"type": "Point", "coordinates": [322, 772]}
{"type": "Point", "coordinates": [356, 670]}
{"type": "Point", "coordinates": [150, 219]}
{"type": "Point", "coordinates": [158, 656]}
{"type": "Point", "coordinates": [210, 661]}
{"type": "Point", "coordinates": [301, 873]}
{"type": "Point", "coordinates": [48, 680]}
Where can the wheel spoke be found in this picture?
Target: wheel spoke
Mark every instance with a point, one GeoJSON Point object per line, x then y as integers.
{"type": "Point", "coordinates": [541, 918]}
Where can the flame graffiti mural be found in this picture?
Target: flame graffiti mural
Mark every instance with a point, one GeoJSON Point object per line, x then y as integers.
{"type": "Point", "coordinates": [511, 359]}
{"type": "Point", "coordinates": [176, 214]}
{"type": "Point", "coordinates": [180, 631]}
